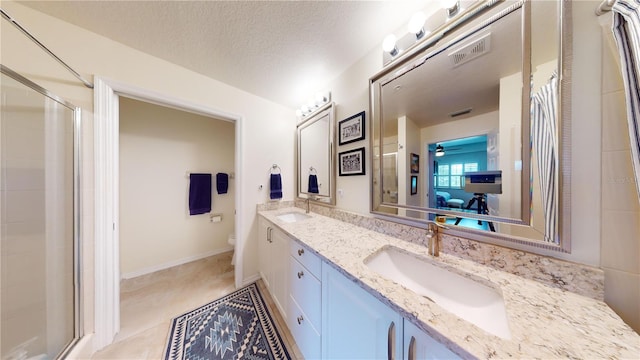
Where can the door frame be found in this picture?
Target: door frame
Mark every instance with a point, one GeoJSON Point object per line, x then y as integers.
{"type": "Point", "coordinates": [106, 188]}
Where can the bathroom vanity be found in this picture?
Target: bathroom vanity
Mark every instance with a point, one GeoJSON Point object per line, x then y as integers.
{"type": "Point", "coordinates": [328, 280]}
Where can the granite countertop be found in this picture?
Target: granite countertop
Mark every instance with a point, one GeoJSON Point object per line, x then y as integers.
{"type": "Point", "coordinates": [545, 322]}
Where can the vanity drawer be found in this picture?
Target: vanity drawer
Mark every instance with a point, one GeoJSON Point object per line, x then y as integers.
{"type": "Point", "coordinates": [308, 259]}
{"type": "Point", "coordinates": [307, 291]}
{"type": "Point", "coordinates": [306, 336]}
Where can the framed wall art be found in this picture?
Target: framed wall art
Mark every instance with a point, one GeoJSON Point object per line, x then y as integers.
{"type": "Point", "coordinates": [414, 184]}
{"type": "Point", "coordinates": [351, 129]}
{"type": "Point", "coordinates": [351, 162]}
{"type": "Point", "coordinates": [415, 163]}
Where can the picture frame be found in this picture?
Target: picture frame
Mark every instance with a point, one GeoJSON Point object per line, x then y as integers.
{"type": "Point", "coordinates": [351, 129]}
{"type": "Point", "coordinates": [351, 162]}
{"type": "Point", "coordinates": [415, 163]}
{"type": "Point", "coordinates": [414, 184]}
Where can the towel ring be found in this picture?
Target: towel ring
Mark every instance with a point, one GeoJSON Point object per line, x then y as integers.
{"type": "Point", "coordinates": [273, 168]}
{"type": "Point", "coordinates": [312, 171]}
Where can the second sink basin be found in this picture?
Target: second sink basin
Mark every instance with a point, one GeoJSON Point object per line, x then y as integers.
{"type": "Point", "coordinates": [292, 217]}
{"type": "Point", "coordinates": [477, 303]}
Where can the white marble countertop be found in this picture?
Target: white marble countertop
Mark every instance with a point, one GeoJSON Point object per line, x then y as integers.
{"type": "Point", "coordinates": [545, 322]}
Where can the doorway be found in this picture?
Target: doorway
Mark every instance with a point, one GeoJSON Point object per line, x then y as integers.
{"type": "Point", "coordinates": [107, 187]}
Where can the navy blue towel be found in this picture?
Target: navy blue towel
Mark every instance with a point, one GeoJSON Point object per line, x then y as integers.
{"type": "Point", "coordinates": [313, 184]}
{"type": "Point", "coordinates": [275, 185]}
{"type": "Point", "coordinates": [222, 183]}
{"type": "Point", "coordinates": [199, 194]}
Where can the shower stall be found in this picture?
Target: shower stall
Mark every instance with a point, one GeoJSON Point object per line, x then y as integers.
{"type": "Point", "coordinates": [39, 284]}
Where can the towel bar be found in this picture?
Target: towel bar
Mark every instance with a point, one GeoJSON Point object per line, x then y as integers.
{"type": "Point", "coordinates": [231, 175]}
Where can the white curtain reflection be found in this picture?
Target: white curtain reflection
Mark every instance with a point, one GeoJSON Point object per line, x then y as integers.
{"type": "Point", "coordinates": [626, 29]}
{"type": "Point", "coordinates": [544, 108]}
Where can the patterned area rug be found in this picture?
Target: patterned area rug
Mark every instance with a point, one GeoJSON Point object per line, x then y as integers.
{"type": "Point", "coordinates": [236, 326]}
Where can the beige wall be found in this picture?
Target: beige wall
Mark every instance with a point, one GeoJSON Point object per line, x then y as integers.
{"type": "Point", "coordinates": [158, 146]}
{"type": "Point", "coordinates": [408, 143]}
{"type": "Point", "coordinates": [620, 249]}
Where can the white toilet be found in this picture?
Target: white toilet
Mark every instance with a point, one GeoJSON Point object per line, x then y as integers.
{"type": "Point", "coordinates": [232, 241]}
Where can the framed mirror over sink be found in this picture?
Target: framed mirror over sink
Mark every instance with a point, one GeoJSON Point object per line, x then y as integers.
{"type": "Point", "coordinates": [483, 103]}
{"type": "Point", "coordinates": [315, 156]}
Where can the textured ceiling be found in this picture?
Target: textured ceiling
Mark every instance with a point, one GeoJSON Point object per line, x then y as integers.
{"type": "Point", "coordinates": [279, 50]}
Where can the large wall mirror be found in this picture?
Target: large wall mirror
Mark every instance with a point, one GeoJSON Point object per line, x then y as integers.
{"type": "Point", "coordinates": [315, 167]}
{"type": "Point", "coordinates": [467, 128]}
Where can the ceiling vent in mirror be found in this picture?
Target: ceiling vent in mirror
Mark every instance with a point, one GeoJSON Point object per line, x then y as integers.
{"type": "Point", "coordinates": [471, 50]}
{"type": "Point", "coordinates": [461, 112]}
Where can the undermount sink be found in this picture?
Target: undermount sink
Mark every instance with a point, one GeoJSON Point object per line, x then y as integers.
{"type": "Point", "coordinates": [292, 217]}
{"type": "Point", "coordinates": [470, 300]}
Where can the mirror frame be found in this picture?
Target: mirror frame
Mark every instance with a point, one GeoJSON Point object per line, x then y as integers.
{"type": "Point", "coordinates": [329, 109]}
{"type": "Point", "coordinates": [404, 63]}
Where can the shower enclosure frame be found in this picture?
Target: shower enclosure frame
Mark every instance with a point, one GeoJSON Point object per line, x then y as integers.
{"type": "Point", "coordinates": [77, 203]}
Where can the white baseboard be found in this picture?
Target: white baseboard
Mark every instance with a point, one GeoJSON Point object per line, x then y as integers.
{"type": "Point", "coordinates": [169, 264]}
{"type": "Point", "coordinates": [251, 279]}
{"type": "Point", "coordinates": [83, 349]}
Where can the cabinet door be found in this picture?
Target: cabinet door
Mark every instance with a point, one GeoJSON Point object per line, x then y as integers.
{"type": "Point", "coordinates": [356, 325]}
{"type": "Point", "coordinates": [420, 346]}
{"type": "Point", "coordinates": [279, 259]}
{"type": "Point", "coordinates": [264, 238]}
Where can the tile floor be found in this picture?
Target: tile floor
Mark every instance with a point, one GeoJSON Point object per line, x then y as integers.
{"type": "Point", "coordinates": [149, 302]}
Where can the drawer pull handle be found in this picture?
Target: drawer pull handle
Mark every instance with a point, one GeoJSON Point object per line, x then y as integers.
{"type": "Point", "coordinates": [300, 274]}
{"type": "Point", "coordinates": [412, 349]}
{"type": "Point", "coordinates": [300, 252]}
{"type": "Point", "coordinates": [300, 319]}
{"type": "Point", "coordinates": [391, 342]}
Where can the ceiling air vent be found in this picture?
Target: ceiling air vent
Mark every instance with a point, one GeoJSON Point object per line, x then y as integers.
{"type": "Point", "coordinates": [471, 50]}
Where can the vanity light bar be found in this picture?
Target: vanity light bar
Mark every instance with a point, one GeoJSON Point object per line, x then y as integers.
{"type": "Point", "coordinates": [314, 104]}
{"type": "Point", "coordinates": [392, 47]}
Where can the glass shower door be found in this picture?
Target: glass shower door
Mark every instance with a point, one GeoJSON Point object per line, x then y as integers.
{"type": "Point", "coordinates": [38, 285]}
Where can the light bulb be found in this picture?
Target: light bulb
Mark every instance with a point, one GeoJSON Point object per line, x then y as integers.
{"type": "Point", "coordinates": [389, 45]}
{"type": "Point", "coordinates": [320, 99]}
{"type": "Point", "coordinates": [451, 6]}
{"type": "Point", "coordinates": [416, 24]}
{"type": "Point", "coordinates": [448, 4]}
{"type": "Point", "coordinates": [305, 109]}
{"type": "Point", "coordinates": [299, 113]}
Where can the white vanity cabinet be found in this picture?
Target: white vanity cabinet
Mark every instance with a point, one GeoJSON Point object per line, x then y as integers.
{"type": "Point", "coordinates": [356, 325]}
{"type": "Point", "coordinates": [305, 289]}
{"type": "Point", "coordinates": [329, 315]}
{"type": "Point", "coordinates": [273, 263]}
